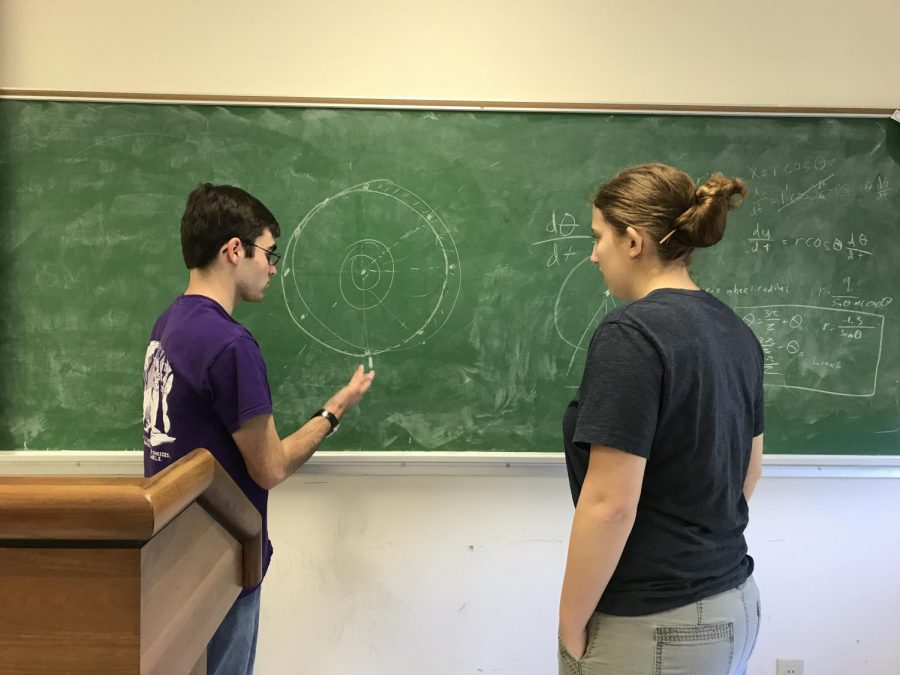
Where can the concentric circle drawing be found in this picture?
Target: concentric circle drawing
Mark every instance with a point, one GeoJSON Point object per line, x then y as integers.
{"type": "Point", "coordinates": [362, 270]}
{"type": "Point", "coordinates": [371, 269]}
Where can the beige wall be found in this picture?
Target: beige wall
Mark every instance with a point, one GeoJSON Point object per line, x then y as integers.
{"type": "Point", "coordinates": [822, 53]}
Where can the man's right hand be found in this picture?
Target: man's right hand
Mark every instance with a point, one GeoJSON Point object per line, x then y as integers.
{"type": "Point", "coordinates": [349, 396]}
{"type": "Point", "coordinates": [271, 460]}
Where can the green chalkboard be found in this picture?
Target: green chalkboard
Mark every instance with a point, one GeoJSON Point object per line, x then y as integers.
{"type": "Point", "coordinates": [451, 248]}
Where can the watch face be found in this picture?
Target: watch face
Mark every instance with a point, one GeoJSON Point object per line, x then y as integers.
{"type": "Point", "coordinates": [331, 417]}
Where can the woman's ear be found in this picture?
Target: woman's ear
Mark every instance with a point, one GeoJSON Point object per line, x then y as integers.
{"type": "Point", "coordinates": [635, 241]}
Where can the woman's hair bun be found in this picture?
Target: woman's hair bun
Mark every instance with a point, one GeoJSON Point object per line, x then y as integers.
{"type": "Point", "coordinates": [719, 186]}
{"type": "Point", "coordinates": [703, 223]}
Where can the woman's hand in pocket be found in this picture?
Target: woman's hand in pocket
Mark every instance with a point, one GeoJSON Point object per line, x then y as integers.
{"type": "Point", "coordinates": [575, 642]}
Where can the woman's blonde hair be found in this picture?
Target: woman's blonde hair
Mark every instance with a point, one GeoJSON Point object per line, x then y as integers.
{"type": "Point", "coordinates": [663, 201]}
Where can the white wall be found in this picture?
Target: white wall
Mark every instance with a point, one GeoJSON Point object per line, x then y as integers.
{"type": "Point", "coordinates": [412, 575]}
{"type": "Point", "coordinates": [444, 575]}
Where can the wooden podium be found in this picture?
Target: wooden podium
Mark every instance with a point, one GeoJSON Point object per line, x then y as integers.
{"type": "Point", "coordinates": [122, 575]}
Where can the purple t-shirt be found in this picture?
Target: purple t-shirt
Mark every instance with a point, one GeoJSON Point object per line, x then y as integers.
{"type": "Point", "coordinates": [204, 376]}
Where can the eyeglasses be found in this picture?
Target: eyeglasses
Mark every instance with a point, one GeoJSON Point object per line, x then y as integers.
{"type": "Point", "coordinates": [271, 257]}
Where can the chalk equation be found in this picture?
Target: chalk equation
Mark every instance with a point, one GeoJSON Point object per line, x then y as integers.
{"type": "Point", "coordinates": [371, 269]}
{"type": "Point", "coordinates": [561, 246]}
{"type": "Point", "coordinates": [768, 198]}
{"type": "Point", "coordinates": [855, 246]}
{"type": "Point", "coordinates": [818, 349]}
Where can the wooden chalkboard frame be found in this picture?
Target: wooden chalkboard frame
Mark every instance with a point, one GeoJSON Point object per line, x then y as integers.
{"type": "Point", "coordinates": [428, 104]}
{"type": "Point", "coordinates": [444, 463]}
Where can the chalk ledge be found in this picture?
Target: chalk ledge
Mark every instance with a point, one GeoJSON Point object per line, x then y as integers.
{"type": "Point", "coordinates": [361, 463]}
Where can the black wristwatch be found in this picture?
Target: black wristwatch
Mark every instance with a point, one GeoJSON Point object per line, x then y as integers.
{"type": "Point", "coordinates": [330, 416]}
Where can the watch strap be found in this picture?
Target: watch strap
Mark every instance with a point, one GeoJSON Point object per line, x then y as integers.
{"type": "Point", "coordinates": [330, 416]}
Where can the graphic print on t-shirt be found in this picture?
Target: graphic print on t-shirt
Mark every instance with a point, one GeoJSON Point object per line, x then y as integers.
{"type": "Point", "coordinates": [158, 380]}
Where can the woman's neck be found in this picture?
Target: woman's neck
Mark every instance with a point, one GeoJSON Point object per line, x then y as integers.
{"type": "Point", "coordinates": [668, 276]}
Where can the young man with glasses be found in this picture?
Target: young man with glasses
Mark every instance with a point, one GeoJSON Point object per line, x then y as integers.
{"type": "Point", "coordinates": [205, 382]}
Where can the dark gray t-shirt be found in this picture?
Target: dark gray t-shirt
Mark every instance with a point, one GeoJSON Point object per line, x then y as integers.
{"type": "Point", "coordinates": [676, 378]}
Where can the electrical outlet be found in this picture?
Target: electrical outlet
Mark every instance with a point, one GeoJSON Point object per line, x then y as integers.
{"type": "Point", "coordinates": [788, 667]}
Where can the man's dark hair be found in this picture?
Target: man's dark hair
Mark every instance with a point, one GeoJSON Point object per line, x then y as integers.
{"type": "Point", "coordinates": [216, 213]}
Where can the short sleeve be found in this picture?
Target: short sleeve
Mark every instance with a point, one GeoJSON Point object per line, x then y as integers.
{"type": "Point", "coordinates": [759, 404]}
{"type": "Point", "coordinates": [238, 384]}
{"type": "Point", "coordinates": [620, 391]}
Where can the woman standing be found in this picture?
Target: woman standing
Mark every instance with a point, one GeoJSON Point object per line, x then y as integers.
{"type": "Point", "coordinates": [663, 445]}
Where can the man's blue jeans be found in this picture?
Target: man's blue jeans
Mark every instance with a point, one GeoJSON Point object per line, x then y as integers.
{"type": "Point", "coordinates": [232, 648]}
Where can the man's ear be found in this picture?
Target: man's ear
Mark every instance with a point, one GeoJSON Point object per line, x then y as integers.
{"type": "Point", "coordinates": [635, 242]}
{"type": "Point", "coordinates": [231, 249]}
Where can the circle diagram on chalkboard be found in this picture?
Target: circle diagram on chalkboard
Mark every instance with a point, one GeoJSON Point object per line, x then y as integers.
{"type": "Point", "coordinates": [371, 269]}
{"type": "Point", "coordinates": [583, 300]}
